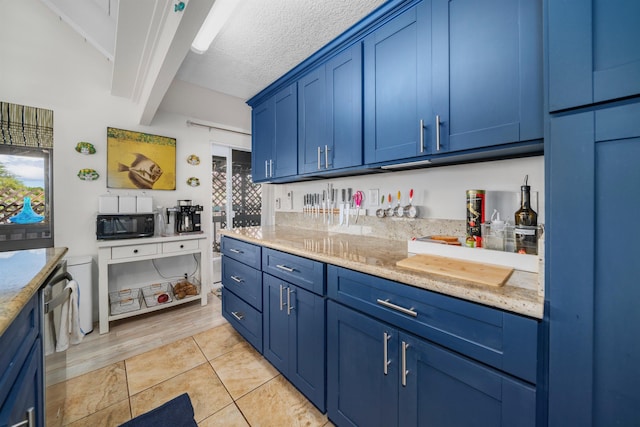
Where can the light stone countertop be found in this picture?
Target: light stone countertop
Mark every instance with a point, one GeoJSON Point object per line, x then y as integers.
{"type": "Point", "coordinates": [378, 257]}
{"type": "Point", "coordinates": [22, 273]}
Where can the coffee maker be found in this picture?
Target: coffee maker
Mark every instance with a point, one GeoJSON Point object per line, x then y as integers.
{"type": "Point", "coordinates": [188, 217]}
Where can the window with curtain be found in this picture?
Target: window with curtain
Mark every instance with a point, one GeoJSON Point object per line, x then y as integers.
{"type": "Point", "coordinates": [26, 159]}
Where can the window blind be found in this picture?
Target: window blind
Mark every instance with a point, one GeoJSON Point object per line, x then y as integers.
{"type": "Point", "coordinates": [25, 126]}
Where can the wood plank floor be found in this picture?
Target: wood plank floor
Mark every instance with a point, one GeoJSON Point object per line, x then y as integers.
{"type": "Point", "coordinates": [132, 336]}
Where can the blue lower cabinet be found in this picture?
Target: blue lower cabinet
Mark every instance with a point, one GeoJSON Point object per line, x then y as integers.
{"type": "Point", "coordinates": [362, 386]}
{"type": "Point", "coordinates": [26, 395]}
{"type": "Point", "coordinates": [378, 375]}
{"type": "Point", "coordinates": [243, 317]}
{"type": "Point", "coordinates": [294, 336]}
{"type": "Point", "coordinates": [442, 388]}
{"type": "Point", "coordinates": [21, 368]}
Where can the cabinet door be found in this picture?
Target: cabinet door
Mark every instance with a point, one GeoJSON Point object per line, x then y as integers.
{"type": "Point", "coordinates": [275, 323]}
{"type": "Point", "coordinates": [397, 76]}
{"type": "Point", "coordinates": [487, 73]}
{"type": "Point", "coordinates": [442, 388]}
{"type": "Point", "coordinates": [594, 353]}
{"type": "Point", "coordinates": [286, 133]}
{"type": "Point", "coordinates": [262, 140]}
{"type": "Point", "coordinates": [359, 391]}
{"type": "Point", "coordinates": [308, 345]}
{"type": "Point", "coordinates": [27, 391]}
{"type": "Point", "coordinates": [312, 122]}
{"type": "Point", "coordinates": [344, 108]}
{"type": "Point", "coordinates": [593, 51]}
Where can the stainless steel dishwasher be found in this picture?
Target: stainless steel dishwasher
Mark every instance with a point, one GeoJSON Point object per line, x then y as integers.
{"type": "Point", "coordinates": [53, 294]}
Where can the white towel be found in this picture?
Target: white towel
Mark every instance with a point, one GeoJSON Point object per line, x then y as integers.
{"type": "Point", "coordinates": [70, 330]}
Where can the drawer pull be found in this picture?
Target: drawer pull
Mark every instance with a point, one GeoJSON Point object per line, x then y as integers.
{"type": "Point", "coordinates": [285, 268]}
{"type": "Point", "coordinates": [237, 279]}
{"type": "Point", "coordinates": [30, 421]}
{"type": "Point", "coordinates": [237, 315]}
{"type": "Point", "coordinates": [135, 251]}
{"type": "Point", "coordinates": [405, 346]}
{"type": "Point", "coordinates": [393, 306]}
{"type": "Point", "coordinates": [385, 352]}
{"type": "Point", "coordinates": [181, 246]}
{"type": "Point", "coordinates": [236, 251]}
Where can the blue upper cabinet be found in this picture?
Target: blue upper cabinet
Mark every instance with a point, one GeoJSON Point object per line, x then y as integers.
{"type": "Point", "coordinates": [487, 74]}
{"type": "Point", "coordinates": [263, 134]}
{"type": "Point", "coordinates": [275, 136]}
{"type": "Point", "coordinates": [330, 114]}
{"type": "Point", "coordinates": [312, 122]}
{"type": "Point", "coordinates": [593, 53]}
{"type": "Point", "coordinates": [397, 96]}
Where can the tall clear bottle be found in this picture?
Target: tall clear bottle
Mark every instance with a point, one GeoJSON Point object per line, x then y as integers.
{"type": "Point", "coordinates": [160, 222]}
{"type": "Point", "coordinates": [526, 221]}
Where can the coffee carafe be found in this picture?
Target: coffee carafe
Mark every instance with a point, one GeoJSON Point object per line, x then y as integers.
{"type": "Point", "coordinates": [188, 217]}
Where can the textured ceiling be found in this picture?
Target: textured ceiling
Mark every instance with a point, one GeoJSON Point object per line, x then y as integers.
{"type": "Point", "coordinates": [264, 39]}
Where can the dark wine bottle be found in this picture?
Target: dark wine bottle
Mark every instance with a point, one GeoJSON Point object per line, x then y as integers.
{"type": "Point", "coordinates": [526, 220]}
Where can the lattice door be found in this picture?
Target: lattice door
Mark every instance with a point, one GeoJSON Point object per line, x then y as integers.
{"type": "Point", "coordinates": [246, 197]}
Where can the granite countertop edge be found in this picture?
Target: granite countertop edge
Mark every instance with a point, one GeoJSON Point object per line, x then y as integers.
{"type": "Point", "coordinates": [13, 300]}
{"type": "Point", "coordinates": [509, 297]}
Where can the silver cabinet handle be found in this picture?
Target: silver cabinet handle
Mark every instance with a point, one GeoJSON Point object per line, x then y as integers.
{"type": "Point", "coordinates": [237, 279]}
{"type": "Point", "coordinates": [405, 346]}
{"type": "Point", "coordinates": [289, 308]}
{"type": "Point", "coordinates": [319, 151]}
{"type": "Point", "coordinates": [281, 304]}
{"type": "Point", "coordinates": [237, 315]}
{"type": "Point", "coordinates": [30, 421]}
{"type": "Point", "coordinates": [437, 132]}
{"type": "Point", "coordinates": [421, 136]}
{"type": "Point", "coordinates": [266, 168]}
{"type": "Point", "coordinates": [326, 157]}
{"type": "Point", "coordinates": [236, 251]}
{"type": "Point", "coordinates": [385, 351]}
{"type": "Point", "coordinates": [285, 268]}
{"type": "Point", "coordinates": [271, 168]}
{"type": "Point", "coordinates": [410, 311]}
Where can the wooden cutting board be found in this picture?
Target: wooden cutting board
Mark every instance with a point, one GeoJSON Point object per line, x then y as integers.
{"type": "Point", "coordinates": [484, 274]}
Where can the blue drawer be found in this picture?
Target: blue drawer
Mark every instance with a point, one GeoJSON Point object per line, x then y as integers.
{"type": "Point", "coordinates": [307, 274]}
{"type": "Point", "coordinates": [244, 318]}
{"type": "Point", "coordinates": [500, 339]}
{"type": "Point", "coordinates": [241, 251]}
{"type": "Point", "coordinates": [244, 281]}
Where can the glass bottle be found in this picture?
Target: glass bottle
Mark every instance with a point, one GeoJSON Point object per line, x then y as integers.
{"type": "Point", "coordinates": [161, 222]}
{"type": "Point", "coordinates": [526, 221]}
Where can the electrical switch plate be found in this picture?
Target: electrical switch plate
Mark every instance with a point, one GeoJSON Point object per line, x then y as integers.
{"type": "Point", "coordinates": [278, 203]}
{"type": "Point", "coordinates": [374, 197]}
{"type": "Point", "coordinates": [290, 200]}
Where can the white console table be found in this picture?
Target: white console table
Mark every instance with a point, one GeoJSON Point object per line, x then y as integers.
{"type": "Point", "coordinates": [135, 263]}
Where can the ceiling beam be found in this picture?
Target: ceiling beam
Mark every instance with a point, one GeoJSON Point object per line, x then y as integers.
{"type": "Point", "coordinates": [171, 46]}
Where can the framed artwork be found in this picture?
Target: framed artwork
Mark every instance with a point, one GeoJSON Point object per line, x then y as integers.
{"type": "Point", "coordinates": [139, 160]}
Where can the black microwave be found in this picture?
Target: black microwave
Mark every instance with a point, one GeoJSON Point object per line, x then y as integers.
{"type": "Point", "coordinates": [125, 226]}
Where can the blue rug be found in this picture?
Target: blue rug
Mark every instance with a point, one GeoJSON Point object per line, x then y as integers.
{"type": "Point", "coordinates": [177, 412]}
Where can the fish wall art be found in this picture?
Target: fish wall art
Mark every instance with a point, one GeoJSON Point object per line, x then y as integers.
{"type": "Point", "coordinates": [140, 161]}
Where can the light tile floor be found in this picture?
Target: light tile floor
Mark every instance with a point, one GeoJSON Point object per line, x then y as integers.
{"type": "Point", "coordinates": [229, 383]}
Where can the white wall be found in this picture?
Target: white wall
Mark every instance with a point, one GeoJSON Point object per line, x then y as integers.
{"type": "Point", "coordinates": [44, 63]}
